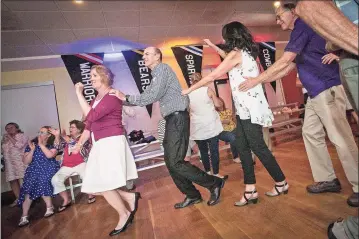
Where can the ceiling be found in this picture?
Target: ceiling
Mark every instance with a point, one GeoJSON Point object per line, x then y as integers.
{"type": "Point", "coordinates": [39, 28]}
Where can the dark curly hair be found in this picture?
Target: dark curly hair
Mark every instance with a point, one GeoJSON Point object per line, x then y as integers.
{"type": "Point", "coordinates": [79, 125]}
{"type": "Point", "coordinates": [236, 35]}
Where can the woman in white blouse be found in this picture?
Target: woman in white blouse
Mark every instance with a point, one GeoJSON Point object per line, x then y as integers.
{"type": "Point", "coordinates": [252, 110]}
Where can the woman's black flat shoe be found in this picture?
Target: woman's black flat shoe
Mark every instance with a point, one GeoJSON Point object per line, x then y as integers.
{"type": "Point", "coordinates": [137, 198]}
{"type": "Point", "coordinates": [128, 222]}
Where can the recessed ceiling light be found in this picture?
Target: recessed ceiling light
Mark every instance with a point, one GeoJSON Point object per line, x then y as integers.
{"type": "Point", "coordinates": [276, 4]}
{"type": "Point", "coordinates": [79, 1]}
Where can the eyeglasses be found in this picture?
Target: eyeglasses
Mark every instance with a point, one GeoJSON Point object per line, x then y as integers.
{"type": "Point", "coordinates": [42, 133]}
{"type": "Point", "coordinates": [279, 16]}
{"type": "Point", "coordinates": [150, 53]}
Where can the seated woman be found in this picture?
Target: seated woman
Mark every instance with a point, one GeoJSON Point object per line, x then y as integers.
{"type": "Point", "coordinates": [70, 163]}
{"type": "Point", "coordinates": [205, 124]}
{"type": "Point", "coordinates": [40, 157]}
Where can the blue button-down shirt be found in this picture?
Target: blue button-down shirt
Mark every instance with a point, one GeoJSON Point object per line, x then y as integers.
{"type": "Point", "coordinates": [315, 76]}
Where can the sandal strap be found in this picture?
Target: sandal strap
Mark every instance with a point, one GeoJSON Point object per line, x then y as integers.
{"type": "Point", "coordinates": [23, 220]}
{"type": "Point", "coordinates": [281, 185]}
{"type": "Point", "coordinates": [249, 192]}
{"type": "Point", "coordinates": [62, 207]}
{"type": "Point", "coordinates": [252, 192]}
{"type": "Point", "coordinates": [245, 198]}
{"type": "Point", "coordinates": [49, 211]}
{"type": "Point", "coordinates": [276, 186]}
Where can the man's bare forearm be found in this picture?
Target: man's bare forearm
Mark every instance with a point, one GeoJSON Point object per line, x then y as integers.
{"type": "Point", "coordinates": [326, 19]}
{"type": "Point", "coordinates": [278, 70]}
{"type": "Point", "coordinates": [289, 67]}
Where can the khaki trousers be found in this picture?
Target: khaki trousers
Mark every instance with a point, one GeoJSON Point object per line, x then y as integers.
{"type": "Point", "coordinates": [58, 180]}
{"type": "Point", "coordinates": [349, 68]}
{"type": "Point", "coordinates": [328, 109]}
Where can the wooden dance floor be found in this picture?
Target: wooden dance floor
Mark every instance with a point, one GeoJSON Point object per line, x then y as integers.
{"type": "Point", "coordinates": [295, 215]}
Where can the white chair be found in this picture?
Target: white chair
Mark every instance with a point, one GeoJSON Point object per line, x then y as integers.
{"type": "Point", "coordinates": [73, 186]}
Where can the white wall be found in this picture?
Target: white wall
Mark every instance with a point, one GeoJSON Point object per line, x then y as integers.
{"type": "Point", "coordinates": [29, 106]}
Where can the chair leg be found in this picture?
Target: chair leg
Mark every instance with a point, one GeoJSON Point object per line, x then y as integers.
{"type": "Point", "coordinates": [72, 190]}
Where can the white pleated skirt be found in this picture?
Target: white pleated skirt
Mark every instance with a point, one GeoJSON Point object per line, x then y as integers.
{"type": "Point", "coordinates": [109, 166]}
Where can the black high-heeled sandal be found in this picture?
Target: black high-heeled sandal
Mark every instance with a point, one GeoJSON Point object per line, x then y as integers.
{"type": "Point", "coordinates": [248, 200]}
{"type": "Point", "coordinates": [278, 193]}
{"type": "Point", "coordinates": [115, 232]}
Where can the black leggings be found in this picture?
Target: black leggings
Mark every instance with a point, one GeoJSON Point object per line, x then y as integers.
{"type": "Point", "coordinates": [249, 137]}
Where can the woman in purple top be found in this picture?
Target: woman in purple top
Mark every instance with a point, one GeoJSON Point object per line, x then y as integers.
{"type": "Point", "coordinates": [110, 163]}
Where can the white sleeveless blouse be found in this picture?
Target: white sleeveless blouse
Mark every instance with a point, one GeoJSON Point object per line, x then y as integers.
{"type": "Point", "coordinates": [251, 104]}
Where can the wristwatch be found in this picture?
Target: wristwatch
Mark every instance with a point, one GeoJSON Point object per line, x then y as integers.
{"type": "Point", "coordinates": [127, 97]}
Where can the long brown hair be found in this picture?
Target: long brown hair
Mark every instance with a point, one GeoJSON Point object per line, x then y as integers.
{"type": "Point", "coordinates": [236, 35]}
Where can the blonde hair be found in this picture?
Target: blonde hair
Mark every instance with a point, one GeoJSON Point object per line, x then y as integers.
{"type": "Point", "coordinates": [105, 74]}
{"type": "Point", "coordinates": [196, 77]}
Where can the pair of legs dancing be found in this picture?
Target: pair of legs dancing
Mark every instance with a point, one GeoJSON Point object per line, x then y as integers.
{"type": "Point", "coordinates": [125, 204]}
{"type": "Point", "coordinates": [210, 145]}
{"type": "Point", "coordinates": [249, 138]}
{"type": "Point", "coordinates": [328, 110]}
{"type": "Point", "coordinates": [183, 173]}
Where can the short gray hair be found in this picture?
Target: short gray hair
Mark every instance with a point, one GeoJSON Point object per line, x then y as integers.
{"type": "Point", "coordinates": [289, 6]}
{"type": "Point", "coordinates": [158, 51]}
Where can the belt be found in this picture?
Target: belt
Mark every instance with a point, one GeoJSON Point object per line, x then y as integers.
{"type": "Point", "coordinates": [346, 54]}
{"type": "Point", "coordinates": [175, 113]}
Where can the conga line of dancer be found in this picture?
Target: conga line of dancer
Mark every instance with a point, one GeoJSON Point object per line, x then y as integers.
{"type": "Point", "coordinates": [189, 114]}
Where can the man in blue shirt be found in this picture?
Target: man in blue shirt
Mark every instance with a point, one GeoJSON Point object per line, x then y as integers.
{"type": "Point", "coordinates": [338, 24]}
{"type": "Point", "coordinates": [326, 106]}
